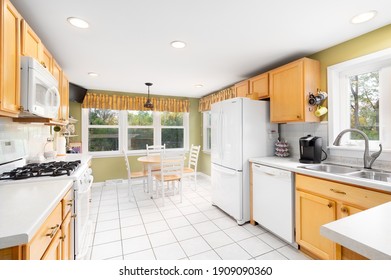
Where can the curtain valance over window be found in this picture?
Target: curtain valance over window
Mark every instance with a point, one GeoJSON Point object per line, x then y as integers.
{"type": "Point", "coordinates": [207, 101]}
{"type": "Point", "coordinates": [136, 103]}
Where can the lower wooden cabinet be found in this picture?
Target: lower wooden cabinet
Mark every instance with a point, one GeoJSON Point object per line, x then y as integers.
{"type": "Point", "coordinates": [52, 240]}
{"type": "Point", "coordinates": [319, 202]}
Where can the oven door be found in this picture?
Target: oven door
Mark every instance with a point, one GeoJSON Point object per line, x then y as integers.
{"type": "Point", "coordinates": [82, 211]}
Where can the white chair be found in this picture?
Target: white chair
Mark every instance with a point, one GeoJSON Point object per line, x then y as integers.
{"type": "Point", "coordinates": [191, 169]}
{"type": "Point", "coordinates": [171, 171]}
{"type": "Point", "coordinates": [133, 175]}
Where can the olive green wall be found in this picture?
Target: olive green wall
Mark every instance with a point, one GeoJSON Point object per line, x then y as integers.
{"type": "Point", "coordinates": [108, 168]}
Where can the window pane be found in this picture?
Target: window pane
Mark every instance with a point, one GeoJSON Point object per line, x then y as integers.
{"type": "Point", "coordinates": [140, 118]}
{"type": "Point", "coordinates": [139, 137]}
{"type": "Point", "coordinates": [172, 137]}
{"type": "Point", "coordinates": [209, 118]}
{"type": "Point", "coordinates": [172, 119]}
{"type": "Point", "coordinates": [103, 117]}
{"type": "Point", "coordinates": [209, 138]}
{"type": "Point", "coordinates": [364, 104]}
{"type": "Point", "coordinates": [102, 139]}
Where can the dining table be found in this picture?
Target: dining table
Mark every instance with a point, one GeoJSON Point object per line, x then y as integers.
{"type": "Point", "coordinates": [150, 161]}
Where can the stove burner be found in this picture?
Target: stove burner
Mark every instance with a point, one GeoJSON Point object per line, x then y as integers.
{"type": "Point", "coordinates": [53, 168]}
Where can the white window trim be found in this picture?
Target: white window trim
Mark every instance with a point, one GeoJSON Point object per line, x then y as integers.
{"type": "Point", "coordinates": [205, 126]}
{"type": "Point", "coordinates": [123, 135]}
{"type": "Point", "coordinates": [335, 125]}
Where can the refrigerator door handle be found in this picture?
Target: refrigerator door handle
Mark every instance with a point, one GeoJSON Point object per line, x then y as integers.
{"type": "Point", "coordinates": [225, 170]}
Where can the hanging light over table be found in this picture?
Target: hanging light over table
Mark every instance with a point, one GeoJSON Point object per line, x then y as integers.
{"type": "Point", "coordinates": [148, 104]}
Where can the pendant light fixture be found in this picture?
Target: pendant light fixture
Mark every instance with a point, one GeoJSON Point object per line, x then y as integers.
{"type": "Point", "coordinates": [148, 104]}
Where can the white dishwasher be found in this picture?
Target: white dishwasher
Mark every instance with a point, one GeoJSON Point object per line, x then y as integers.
{"type": "Point", "coordinates": [273, 200]}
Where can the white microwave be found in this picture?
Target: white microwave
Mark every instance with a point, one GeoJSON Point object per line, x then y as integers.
{"type": "Point", "coordinates": [39, 94]}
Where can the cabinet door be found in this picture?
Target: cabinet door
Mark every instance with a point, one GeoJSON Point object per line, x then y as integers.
{"type": "Point", "coordinates": [30, 42]}
{"type": "Point", "coordinates": [345, 210]}
{"type": "Point", "coordinates": [9, 60]}
{"type": "Point", "coordinates": [241, 89]}
{"type": "Point", "coordinates": [46, 59]}
{"type": "Point", "coordinates": [53, 252]}
{"type": "Point", "coordinates": [259, 87]}
{"type": "Point", "coordinates": [66, 238]}
{"type": "Point", "coordinates": [64, 116]}
{"type": "Point", "coordinates": [311, 213]}
{"type": "Point", "coordinates": [286, 93]}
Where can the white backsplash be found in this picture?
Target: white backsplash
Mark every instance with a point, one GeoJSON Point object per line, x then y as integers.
{"type": "Point", "coordinates": [293, 131]}
{"type": "Point", "coordinates": [34, 135]}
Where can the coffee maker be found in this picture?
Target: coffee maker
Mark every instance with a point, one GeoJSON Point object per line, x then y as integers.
{"type": "Point", "coordinates": [310, 149]}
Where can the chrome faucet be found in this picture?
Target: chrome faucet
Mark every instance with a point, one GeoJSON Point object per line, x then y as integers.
{"type": "Point", "coordinates": [368, 159]}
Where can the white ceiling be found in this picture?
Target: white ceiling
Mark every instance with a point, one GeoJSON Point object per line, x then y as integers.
{"type": "Point", "coordinates": [128, 42]}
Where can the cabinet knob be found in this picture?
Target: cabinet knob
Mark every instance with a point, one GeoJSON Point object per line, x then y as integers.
{"type": "Point", "coordinates": [63, 237]}
{"type": "Point", "coordinates": [298, 116]}
{"type": "Point", "coordinates": [345, 210]}
{"type": "Point", "coordinates": [329, 205]}
{"type": "Point", "coordinates": [43, 64]}
{"type": "Point", "coordinates": [54, 230]}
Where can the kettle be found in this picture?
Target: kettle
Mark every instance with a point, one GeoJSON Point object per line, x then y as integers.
{"type": "Point", "coordinates": [310, 149]}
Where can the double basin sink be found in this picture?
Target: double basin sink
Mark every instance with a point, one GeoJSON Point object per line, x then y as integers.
{"type": "Point", "coordinates": [356, 172]}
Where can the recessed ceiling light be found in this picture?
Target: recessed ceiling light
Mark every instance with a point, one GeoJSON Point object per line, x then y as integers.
{"type": "Point", "coordinates": [199, 86]}
{"type": "Point", "coordinates": [178, 44]}
{"type": "Point", "coordinates": [78, 22]}
{"type": "Point", "coordinates": [363, 17]}
{"type": "Point", "coordinates": [93, 74]}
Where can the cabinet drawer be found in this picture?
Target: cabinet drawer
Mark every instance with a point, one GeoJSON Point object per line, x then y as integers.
{"type": "Point", "coordinates": [353, 195]}
{"type": "Point", "coordinates": [37, 247]}
{"type": "Point", "coordinates": [67, 203]}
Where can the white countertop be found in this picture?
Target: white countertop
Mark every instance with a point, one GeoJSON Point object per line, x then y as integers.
{"type": "Point", "coordinates": [25, 206]}
{"type": "Point", "coordinates": [293, 165]}
{"type": "Point", "coordinates": [367, 233]}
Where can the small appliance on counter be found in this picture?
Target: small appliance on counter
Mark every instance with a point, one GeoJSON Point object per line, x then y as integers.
{"type": "Point", "coordinates": [310, 149]}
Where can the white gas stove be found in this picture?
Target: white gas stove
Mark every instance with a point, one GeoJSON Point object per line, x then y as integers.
{"type": "Point", "coordinates": [13, 169]}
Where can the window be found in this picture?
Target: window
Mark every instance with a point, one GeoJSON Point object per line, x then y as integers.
{"type": "Point", "coordinates": [359, 91]}
{"type": "Point", "coordinates": [207, 131]}
{"type": "Point", "coordinates": [103, 130]}
{"type": "Point", "coordinates": [106, 132]}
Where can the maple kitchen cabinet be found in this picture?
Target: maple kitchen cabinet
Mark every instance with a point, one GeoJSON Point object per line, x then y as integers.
{"type": "Point", "coordinates": [64, 104]}
{"type": "Point", "coordinates": [320, 201]}
{"type": "Point", "coordinates": [9, 59]}
{"type": "Point", "coordinates": [259, 87]}
{"type": "Point", "coordinates": [290, 86]}
{"type": "Point", "coordinates": [241, 89]}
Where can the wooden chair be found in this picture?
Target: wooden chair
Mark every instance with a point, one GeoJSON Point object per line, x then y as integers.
{"type": "Point", "coordinates": [191, 169]}
{"type": "Point", "coordinates": [133, 175]}
{"type": "Point", "coordinates": [171, 171]}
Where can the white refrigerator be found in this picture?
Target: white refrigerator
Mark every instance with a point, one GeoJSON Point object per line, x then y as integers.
{"type": "Point", "coordinates": [240, 130]}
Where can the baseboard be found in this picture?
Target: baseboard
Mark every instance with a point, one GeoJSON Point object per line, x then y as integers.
{"type": "Point", "coordinates": [98, 184]}
{"type": "Point", "coordinates": [206, 176]}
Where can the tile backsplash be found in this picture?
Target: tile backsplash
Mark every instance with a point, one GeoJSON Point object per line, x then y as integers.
{"type": "Point", "coordinates": [34, 135]}
{"type": "Point", "coordinates": [293, 131]}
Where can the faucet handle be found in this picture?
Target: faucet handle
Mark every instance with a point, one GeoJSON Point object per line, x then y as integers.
{"type": "Point", "coordinates": [375, 155]}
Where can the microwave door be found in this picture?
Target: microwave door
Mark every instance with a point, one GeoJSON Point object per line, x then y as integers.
{"type": "Point", "coordinates": [54, 103]}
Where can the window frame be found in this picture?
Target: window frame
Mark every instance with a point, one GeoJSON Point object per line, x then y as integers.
{"type": "Point", "coordinates": [206, 146]}
{"type": "Point", "coordinates": [123, 133]}
{"type": "Point", "coordinates": [336, 77]}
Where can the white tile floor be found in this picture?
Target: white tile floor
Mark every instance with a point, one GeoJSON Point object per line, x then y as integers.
{"type": "Point", "coordinates": [194, 229]}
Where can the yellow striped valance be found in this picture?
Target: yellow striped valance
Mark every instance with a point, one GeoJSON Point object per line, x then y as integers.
{"type": "Point", "coordinates": [206, 102]}
{"type": "Point", "coordinates": [123, 102]}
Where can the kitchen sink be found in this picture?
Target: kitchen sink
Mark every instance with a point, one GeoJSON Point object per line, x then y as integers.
{"type": "Point", "coordinates": [331, 168]}
{"type": "Point", "coordinates": [372, 175]}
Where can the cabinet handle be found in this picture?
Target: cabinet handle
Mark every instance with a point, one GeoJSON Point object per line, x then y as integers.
{"type": "Point", "coordinates": [337, 191]}
{"type": "Point", "coordinates": [54, 230]}
{"type": "Point", "coordinates": [43, 64]}
{"type": "Point", "coordinates": [74, 216]}
{"type": "Point", "coordinates": [63, 237]}
{"type": "Point", "coordinates": [345, 210]}
{"type": "Point", "coordinates": [329, 205]}
{"type": "Point", "coordinates": [70, 203]}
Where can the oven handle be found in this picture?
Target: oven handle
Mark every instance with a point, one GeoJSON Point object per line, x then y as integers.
{"type": "Point", "coordinates": [89, 186]}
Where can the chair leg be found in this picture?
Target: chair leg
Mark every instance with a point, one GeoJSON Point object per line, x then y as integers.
{"type": "Point", "coordinates": [130, 190]}
{"type": "Point", "coordinates": [195, 181]}
{"type": "Point", "coordinates": [163, 192]}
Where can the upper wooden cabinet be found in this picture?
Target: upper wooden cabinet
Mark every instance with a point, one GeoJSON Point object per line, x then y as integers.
{"type": "Point", "coordinates": [46, 58]}
{"type": "Point", "coordinates": [241, 89]}
{"type": "Point", "coordinates": [319, 201]}
{"type": "Point", "coordinates": [64, 105]}
{"type": "Point", "coordinates": [290, 86]}
{"type": "Point", "coordinates": [259, 87]}
{"type": "Point", "coordinates": [31, 44]}
{"type": "Point", "coordinates": [9, 59]}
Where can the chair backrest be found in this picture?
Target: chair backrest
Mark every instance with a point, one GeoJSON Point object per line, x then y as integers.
{"type": "Point", "coordinates": [127, 164]}
{"type": "Point", "coordinates": [155, 149]}
{"type": "Point", "coordinates": [193, 156]}
{"type": "Point", "coordinates": [172, 163]}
